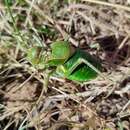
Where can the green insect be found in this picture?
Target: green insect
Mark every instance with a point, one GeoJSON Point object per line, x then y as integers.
{"type": "Point", "coordinates": [75, 65]}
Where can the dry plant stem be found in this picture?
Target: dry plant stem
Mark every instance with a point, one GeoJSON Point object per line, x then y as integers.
{"type": "Point", "coordinates": [122, 115]}
{"type": "Point", "coordinates": [26, 68]}
{"type": "Point", "coordinates": [12, 18]}
{"type": "Point", "coordinates": [92, 19]}
{"type": "Point", "coordinates": [85, 7]}
{"type": "Point", "coordinates": [98, 82]}
{"type": "Point", "coordinates": [3, 92]}
{"type": "Point", "coordinates": [125, 107]}
{"type": "Point", "coordinates": [21, 125]}
{"type": "Point", "coordinates": [87, 19]}
{"type": "Point", "coordinates": [97, 23]}
{"type": "Point", "coordinates": [112, 90]}
{"type": "Point", "coordinates": [10, 112]}
{"type": "Point", "coordinates": [21, 85]}
{"type": "Point", "coordinates": [44, 88]}
{"type": "Point", "coordinates": [117, 6]}
{"type": "Point", "coordinates": [120, 47]}
{"type": "Point", "coordinates": [64, 22]}
{"type": "Point", "coordinates": [57, 79]}
{"type": "Point", "coordinates": [41, 12]}
{"type": "Point", "coordinates": [9, 124]}
{"type": "Point", "coordinates": [74, 97]}
{"type": "Point", "coordinates": [63, 33]}
{"type": "Point", "coordinates": [6, 25]}
{"type": "Point", "coordinates": [28, 13]}
{"type": "Point", "coordinates": [116, 84]}
{"type": "Point", "coordinates": [13, 8]}
{"type": "Point", "coordinates": [37, 119]}
{"type": "Point", "coordinates": [18, 36]}
{"type": "Point", "coordinates": [66, 95]}
{"type": "Point", "coordinates": [28, 116]}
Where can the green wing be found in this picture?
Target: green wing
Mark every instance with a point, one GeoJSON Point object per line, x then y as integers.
{"type": "Point", "coordinates": [82, 72]}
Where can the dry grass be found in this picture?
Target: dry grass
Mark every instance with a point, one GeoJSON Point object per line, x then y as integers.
{"type": "Point", "coordinates": [98, 27]}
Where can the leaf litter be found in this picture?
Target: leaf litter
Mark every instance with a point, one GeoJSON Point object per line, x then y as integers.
{"type": "Point", "coordinates": [98, 27]}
